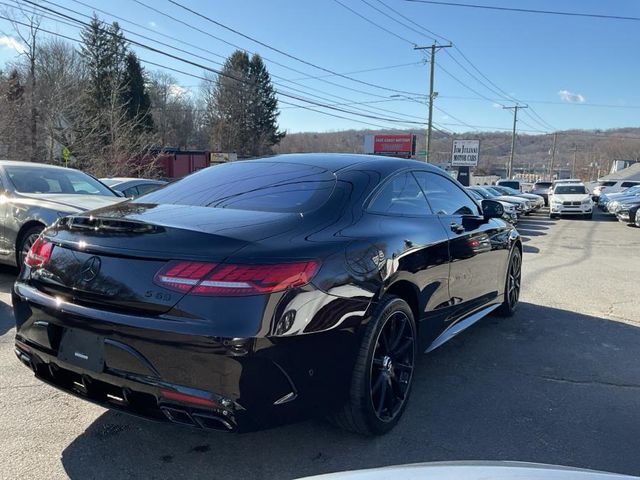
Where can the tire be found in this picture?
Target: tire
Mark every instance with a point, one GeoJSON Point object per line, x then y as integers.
{"type": "Point", "coordinates": [512, 285]}
{"type": "Point", "coordinates": [588, 216]}
{"type": "Point", "coordinates": [552, 216]}
{"type": "Point", "coordinates": [26, 240]}
{"type": "Point", "coordinates": [383, 372]}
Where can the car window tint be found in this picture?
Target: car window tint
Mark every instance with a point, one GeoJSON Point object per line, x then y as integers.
{"type": "Point", "coordinates": [147, 187]}
{"type": "Point", "coordinates": [130, 192]}
{"type": "Point", "coordinates": [569, 189]}
{"type": "Point", "coordinates": [400, 196]}
{"type": "Point", "coordinates": [81, 186]}
{"type": "Point", "coordinates": [444, 196]}
{"type": "Point", "coordinates": [251, 185]}
{"type": "Point", "coordinates": [606, 184]}
{"type": "Point", "coordinates": [35, 179]}
{"type": "Point", "coordinates": [509, 184]}
{"type": "Point", "coordinates": [628, 184]}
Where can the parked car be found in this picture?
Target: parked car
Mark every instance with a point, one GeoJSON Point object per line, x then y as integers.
{"type": "Point", "coordinates": [36, 195]}
{"type": "Point", "coordinates": [133, 187]}
{"type": "Point", "coordinates": [607, 199]}
{"type": "Point", "coordinates": [523, 206]}
{"type": "Point", "coordinates": [258, 292]}
{"type": "Point", "coordinates": [628, 212]}
{"type": "Point", "coordinates": [510, 212]}
{"type": "Point", "coordinates": [611, 186]}
{"type": "Point", "coordinates": [513, 183]}
{"type": "Point", "coordinates": [570, 199]}
{"type": "Point", "coordinates": [542, 189]}
{"type": "Point", "coordinates": [536, 200]}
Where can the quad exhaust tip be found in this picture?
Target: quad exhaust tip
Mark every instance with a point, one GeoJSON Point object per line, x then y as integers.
{"type": "Point", "coordinates": [209, 421]}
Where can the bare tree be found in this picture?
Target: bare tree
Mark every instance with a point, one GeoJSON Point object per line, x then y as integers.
{"type": "Point", "coordinates": [26, 25]}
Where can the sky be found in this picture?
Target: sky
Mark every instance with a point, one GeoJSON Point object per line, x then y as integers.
{"type": "Point", "coordinates": [572, 72]}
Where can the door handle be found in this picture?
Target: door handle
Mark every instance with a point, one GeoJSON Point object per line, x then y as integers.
{"type": "Point", "coordinates": [456, 227]}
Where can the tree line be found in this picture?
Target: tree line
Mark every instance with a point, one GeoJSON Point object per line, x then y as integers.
{"type": "Point", "coordinates": [95, 107]}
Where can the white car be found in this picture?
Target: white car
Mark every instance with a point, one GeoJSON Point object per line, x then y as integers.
{"type": "Point", "coordinates": [612, 186]}
{"type": "Point", "coordinates": [570, 199]}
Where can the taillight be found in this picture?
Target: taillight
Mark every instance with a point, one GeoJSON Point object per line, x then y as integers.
{"type": "Point", "coordinates": [182, 276]}
{"type": "Point", "coordinates": [234, 280]}
{"type": "Point", "coordinates": [39, 253]}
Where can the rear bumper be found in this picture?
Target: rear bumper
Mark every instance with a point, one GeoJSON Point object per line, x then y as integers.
{"type": "Point", "coordinates": [168, 370]}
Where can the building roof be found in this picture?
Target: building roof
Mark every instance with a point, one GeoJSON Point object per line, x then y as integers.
{"type": "Point", "coordinates": [630, 173]}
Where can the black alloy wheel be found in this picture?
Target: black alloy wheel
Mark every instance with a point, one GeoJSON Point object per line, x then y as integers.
{"type": "Point", "coordinates": [513, 284]}
{"type": "Point", "coordinates": [26, 241]}
{"type": "Point", "coordinates": [383, 371]}
{"type": "Point", "coordinates": [392, 366]}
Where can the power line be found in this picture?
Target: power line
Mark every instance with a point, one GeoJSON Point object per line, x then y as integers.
{"type": "Point", "coordinates": [527, 10]}
{"type": "Point", "coordinates": [281, 52]}
{"type": "Point", "coordinates": [280, 92]}
{"type": "Point", "coordinates": [374, 69]}
{"type": "Point", "coordinates": [500, 92]}
{"type": "Point", "coordinates": [374, 23]}
{"type": "Point", "coordinates": [430, 32]}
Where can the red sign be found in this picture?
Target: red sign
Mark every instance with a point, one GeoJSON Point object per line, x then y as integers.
{"type": "Point", "coordinates": [393, 144]}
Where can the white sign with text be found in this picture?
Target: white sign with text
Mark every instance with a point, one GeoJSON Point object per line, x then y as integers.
{"type": "Point", "coordinates": [465, 153]}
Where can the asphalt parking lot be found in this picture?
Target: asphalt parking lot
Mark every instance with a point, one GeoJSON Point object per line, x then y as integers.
{"type": "Point", "coordinates": [558, 383]}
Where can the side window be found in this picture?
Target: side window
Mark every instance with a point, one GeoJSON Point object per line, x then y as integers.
{"type": "Point", "coordinates": [444, 196]}
{"type": "Point", "coordinates": [147, 187]}
{"type": "Point", "coordinates": [628, 184]}
{"type": "Point", "coordinates": [131, 192]}
{"type": "Point", "coordinates": [400, 196]}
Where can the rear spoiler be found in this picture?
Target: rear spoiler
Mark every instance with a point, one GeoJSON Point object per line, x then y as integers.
{"type": "Point", "coordinates": [113, 225]}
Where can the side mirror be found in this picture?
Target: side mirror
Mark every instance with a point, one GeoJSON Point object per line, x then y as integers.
{"type": "Point", "coordinates": [492, 209]}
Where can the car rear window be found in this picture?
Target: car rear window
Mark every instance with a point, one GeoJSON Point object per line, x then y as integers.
{"type": "Point", "coordinates": [606, 184]}
{"type": "Point", "coordinates": [569, 189]}
{"type": "Point", "coordinates": [542, 185]}
{"type": "Point", "coordinates": [506, 183]}
{"type": "Point", "coordinates": [251, 185]}
{"type": "Point", "coordinates": [628, 184]}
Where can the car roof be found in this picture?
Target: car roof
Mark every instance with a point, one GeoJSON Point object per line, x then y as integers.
{"type": "Point", "coordinates": [20, 163]}
{"type": "Point", "coordinates": [335, 162]}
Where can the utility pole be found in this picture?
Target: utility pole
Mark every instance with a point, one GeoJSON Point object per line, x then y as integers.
{"type": "Point", "coordinates": [434, 48]}
{"type": "Point", "coordinates": [553, 156]}
{"type": "Point", "coordinates": [513, 137]}
{"type": "Point", "coordinates": [573, 166]}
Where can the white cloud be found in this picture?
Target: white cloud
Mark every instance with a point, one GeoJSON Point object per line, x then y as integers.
{"type": "Point", "coordinates": [496, 105]}
{"type": "Point", "coordinates": [571, 97]}
{"type": "Point", "coordinates": [176, 90]}
{"type": "Point", "coordinates": [10, 42]}
{"type": "Point", "coordinates": [153, 24]}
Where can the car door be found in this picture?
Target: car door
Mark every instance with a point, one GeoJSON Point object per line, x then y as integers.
{"type": "Point", "coordinates": [477, 247]}
{"type": "Point", "coordinates": [414, 248]}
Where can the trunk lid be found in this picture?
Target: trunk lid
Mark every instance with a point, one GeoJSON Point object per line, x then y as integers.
{"type": "Point", "coordinates": [108, 258]}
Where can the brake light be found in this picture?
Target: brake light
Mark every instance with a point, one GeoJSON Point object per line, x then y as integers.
{"type": "Point", "coordinates": [182, 276]}
{"type": "Point", "coordinates": [234, 280]}
{"type": "Point", "coordinates": [39, 253]}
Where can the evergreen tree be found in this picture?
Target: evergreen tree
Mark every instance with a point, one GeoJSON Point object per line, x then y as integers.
{"type": "Point", "coordinates": [95, 52]}
{"type": "Point", "coordinates": [242, 108]}
{"type": "Point", "coordinates": [264, 108]}
{"type": "Point", "coordinates": [135, 97]}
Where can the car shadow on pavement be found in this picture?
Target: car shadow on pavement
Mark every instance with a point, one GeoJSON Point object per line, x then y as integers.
{"type": "Point", "coordinates": [7, 277]}
{"type": "Point", "coordinates": [547, 385]}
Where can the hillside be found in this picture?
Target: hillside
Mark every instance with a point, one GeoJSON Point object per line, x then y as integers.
{"type": "Point", "coordinates": [532, 151]}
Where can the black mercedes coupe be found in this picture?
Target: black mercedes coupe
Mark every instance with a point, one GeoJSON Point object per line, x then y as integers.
{"type": "Point", "coordinates": [260, 292]}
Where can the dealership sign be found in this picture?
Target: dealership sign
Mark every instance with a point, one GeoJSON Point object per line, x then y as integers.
{"type": "Point", "coordinates": [393, 145]}
{"type": "Point", "coordinates": [465, 153]}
